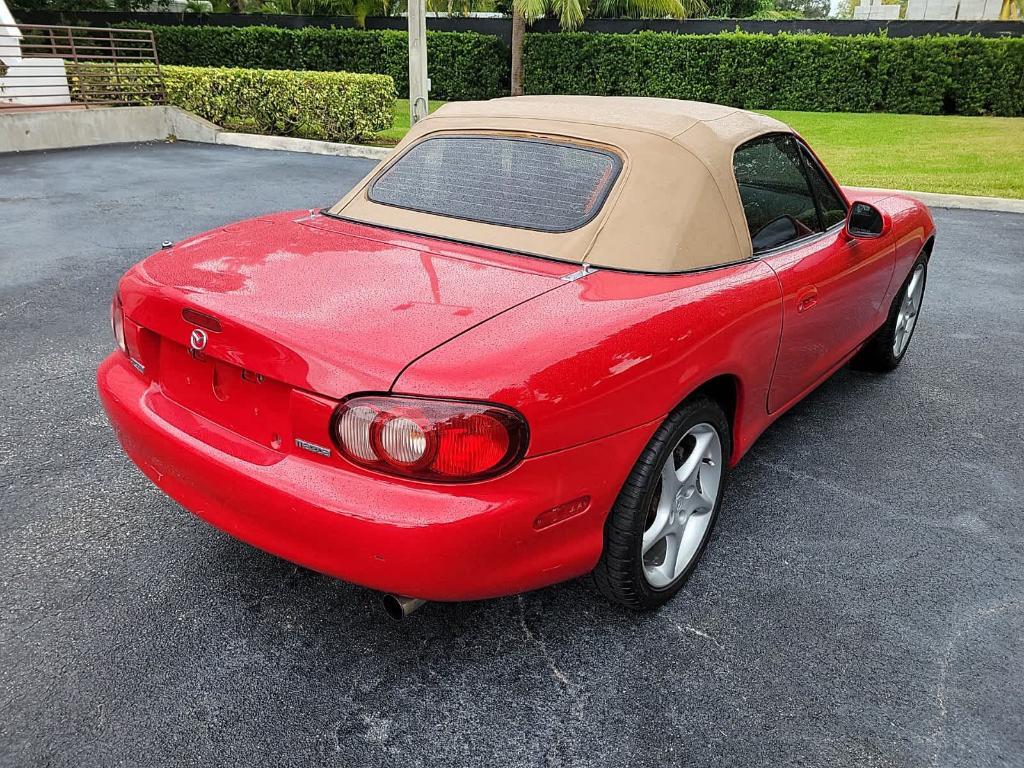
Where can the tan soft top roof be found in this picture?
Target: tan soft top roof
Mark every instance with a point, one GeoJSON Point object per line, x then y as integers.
{"type": "Point", "coordinates": [674, 207]}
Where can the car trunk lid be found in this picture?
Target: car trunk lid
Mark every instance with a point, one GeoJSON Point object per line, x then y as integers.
{"type": "Point", "coordinates": [308, 303]}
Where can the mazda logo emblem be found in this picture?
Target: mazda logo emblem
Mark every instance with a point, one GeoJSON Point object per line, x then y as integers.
{"type": "Point", "coordinates": [198, 339]}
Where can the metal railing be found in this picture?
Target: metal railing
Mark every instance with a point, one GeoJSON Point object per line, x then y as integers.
{"type": "Point", "coordinates": [51, 65]}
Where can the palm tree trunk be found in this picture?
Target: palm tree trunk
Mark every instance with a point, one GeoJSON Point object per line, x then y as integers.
{"type": "Point", "coordinates": [518, 33]}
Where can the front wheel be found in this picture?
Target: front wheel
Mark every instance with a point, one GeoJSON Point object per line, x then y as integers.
{"type": "Point", "coordinates": [662, 520]}
{"type": "Point", "coordinates": [886, 348]}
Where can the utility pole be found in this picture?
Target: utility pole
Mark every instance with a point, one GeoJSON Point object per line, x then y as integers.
{"type": "Point", "coordinates": [419, 83]}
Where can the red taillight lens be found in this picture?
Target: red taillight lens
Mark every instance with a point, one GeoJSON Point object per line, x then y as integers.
{"type": "Point", "coordinates": [439, 440]}
{"type": "Point", "coordinates": [117, 323]}
{"type": "Point", "coordinates": [472, 444]}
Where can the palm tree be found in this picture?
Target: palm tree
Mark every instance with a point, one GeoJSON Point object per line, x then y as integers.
{"type": "Point", "coordinates": [1011, 10]}
{"type": "Point", "coordinates": [644, 9]}
{"type": "Point", "coordinates": [570, 17]}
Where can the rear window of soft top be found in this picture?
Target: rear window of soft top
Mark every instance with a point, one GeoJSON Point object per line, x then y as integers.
{"type": "Point", "coordinates": [539, 184]}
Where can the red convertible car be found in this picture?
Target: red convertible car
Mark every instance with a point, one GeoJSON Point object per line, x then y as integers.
{"type": "Point", "coordinates": [527, 347]}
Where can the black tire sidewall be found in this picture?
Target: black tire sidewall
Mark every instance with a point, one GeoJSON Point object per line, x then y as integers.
{"type": "Point", "coordinates": [898, 302]}
{"type": "Point", "coordinates": [698, 411]}
{"type": "Point", "coordinates": [877, 354]}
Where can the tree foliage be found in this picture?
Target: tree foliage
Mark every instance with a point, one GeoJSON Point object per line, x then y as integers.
{"type": "Point", "coordinates": [966, 75]}
{"type": "Point", "coordinates": [804, 9]}
{"type": "Point", "coordinates": [78, 5]}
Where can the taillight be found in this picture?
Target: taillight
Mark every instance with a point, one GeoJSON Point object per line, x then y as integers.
{"type": "Point", "coordinates": [439, 440]}
{"type": "Point", "coordinates": [117, 323]}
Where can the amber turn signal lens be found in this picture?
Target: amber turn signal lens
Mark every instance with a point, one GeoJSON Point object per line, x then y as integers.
{"type": "Point", "coordinates": [428, 439]}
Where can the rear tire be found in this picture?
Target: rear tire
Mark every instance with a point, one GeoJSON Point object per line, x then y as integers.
{"type": "Point", "coordinates": [663, 518]}
{"type": "Point", "coordinates": [885, 350]}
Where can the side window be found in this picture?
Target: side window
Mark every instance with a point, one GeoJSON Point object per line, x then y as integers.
{"type": "Point", "coordinates": [776, 197]}
{"type": "Point", "coordinates": [833, 209]}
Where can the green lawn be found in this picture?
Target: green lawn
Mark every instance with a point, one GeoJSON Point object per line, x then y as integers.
{"type": "Point", "coordinates": [960, 155]}
{"type": "Point", "coordinates": [401, 125]}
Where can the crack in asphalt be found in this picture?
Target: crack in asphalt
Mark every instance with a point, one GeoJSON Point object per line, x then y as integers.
{"type": "Point", "coordinates": [535, 636]}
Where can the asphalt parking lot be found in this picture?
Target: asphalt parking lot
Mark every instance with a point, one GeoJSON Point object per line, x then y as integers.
{"type": "Point", "coordinates": [862, 603]}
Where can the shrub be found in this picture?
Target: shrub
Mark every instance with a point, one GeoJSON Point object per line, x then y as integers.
{"type": "Point", "coordinates": [463, 65]}
{"type": "Point", "coordinates": [925, 75]}
{"type": "Point", "coordinates": [331, 106]}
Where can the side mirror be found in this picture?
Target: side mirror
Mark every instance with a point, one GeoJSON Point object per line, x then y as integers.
{"type": "Point", "coordinates": [865, 221]}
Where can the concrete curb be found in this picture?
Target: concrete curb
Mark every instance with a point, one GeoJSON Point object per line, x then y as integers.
{"type": "Point", "coordinates": [253, 141]}
{"type": "Point", "coordinates": [970, 202]}
{"type": "Point", "coordinates": [308, 146]}
{"type": "Point", "coordinates": [60, 129]}
{"type": "Point", "coordinates": [283, 143]}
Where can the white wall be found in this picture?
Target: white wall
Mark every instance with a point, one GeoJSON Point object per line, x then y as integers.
{"type": "Point", "coordinates": [28, 82]}
{"type": "Point", "coordinates": [944, 10]}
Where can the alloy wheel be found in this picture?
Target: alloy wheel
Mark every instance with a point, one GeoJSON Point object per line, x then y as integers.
{"type": "Point", "coordinates": [683, 505]}
{"type": "Point", "coordinates": [906, 319]}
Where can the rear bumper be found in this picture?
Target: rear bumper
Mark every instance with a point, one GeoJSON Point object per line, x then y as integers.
{"type": "Point", "coordinates": [430, 541]}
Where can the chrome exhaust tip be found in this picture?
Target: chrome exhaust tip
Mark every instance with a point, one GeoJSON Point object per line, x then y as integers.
{"type": "Point", "coordinates": [399, 607]}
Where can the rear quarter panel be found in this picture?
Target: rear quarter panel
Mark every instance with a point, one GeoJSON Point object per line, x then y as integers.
{"type": "Point", "coordinates": [615, 350]}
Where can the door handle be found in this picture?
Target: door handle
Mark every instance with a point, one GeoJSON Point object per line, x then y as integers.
{"type": "Point", "coordinates": [806, 299]}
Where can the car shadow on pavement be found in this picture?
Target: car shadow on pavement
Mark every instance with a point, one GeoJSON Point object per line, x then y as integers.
{"type": "Point", "coordinates": [267, 588]}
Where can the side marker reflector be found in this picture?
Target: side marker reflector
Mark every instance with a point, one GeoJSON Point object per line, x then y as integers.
{"type": "Point", "coordinates": [562, 512]}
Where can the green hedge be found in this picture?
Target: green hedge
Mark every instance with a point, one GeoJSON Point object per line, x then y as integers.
{"type": "Point", "coordinates": [822, 73]}
{"type": "Point", "coordinates": [331, 106]}
{"type": "Point", "coordinates": [865, 73]}
{"type": "Point", "coordinates": [463, 65]}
